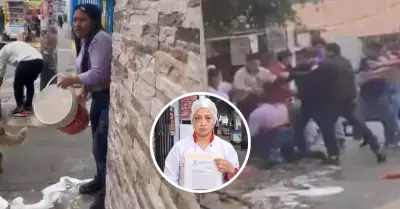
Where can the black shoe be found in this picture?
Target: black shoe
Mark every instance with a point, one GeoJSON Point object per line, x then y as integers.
{"type": "Point", "coordinates": [291, 157]}
{"type": "Point", "coordinates": [316, 155]}
{"type": "Point", "coordinates": [342, 142]}
{"type": "Point", "coordinates": [364, 143]}
{"type": "Point", "coordinates": [381, 157]}
{"type": "Point", "coordinates": [99, 200]}
{"type": "Point", "coordinates": [332, 160]}
{"type": "Point", "coordinates": [91, 187]}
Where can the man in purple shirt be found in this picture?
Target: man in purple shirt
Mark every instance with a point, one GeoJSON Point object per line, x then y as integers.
{"type": "Point", "coordinates": [94, 49]}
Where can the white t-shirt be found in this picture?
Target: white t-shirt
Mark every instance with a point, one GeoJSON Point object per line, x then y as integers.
{"type": "Point", "coordinates": [15, 52]}
{"type": "Point", "coordinates": [174, 164]}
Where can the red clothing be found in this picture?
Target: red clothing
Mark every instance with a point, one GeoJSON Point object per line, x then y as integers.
{"type": "Point", "coordinates": [277, 93]}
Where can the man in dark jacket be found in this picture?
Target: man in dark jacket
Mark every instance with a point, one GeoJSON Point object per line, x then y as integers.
{"type": "Point", "coordinates": [328, 92]}
{"type": "Point", "coordinates": [334, 55]}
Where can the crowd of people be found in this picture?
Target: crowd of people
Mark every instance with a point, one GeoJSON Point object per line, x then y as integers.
{"type": "Point", "coordinates": [286, 106]}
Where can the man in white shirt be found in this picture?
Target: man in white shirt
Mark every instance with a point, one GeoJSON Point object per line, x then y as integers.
{"type": "Point", "coordinates": [250, 78]}
{"type": "Point", "coordinates": [29, 64]}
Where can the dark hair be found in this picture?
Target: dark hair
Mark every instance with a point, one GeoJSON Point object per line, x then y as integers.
{"type": "Point", "coordinates": [319, 41]}
{"type": "Point", "coordinates": [283, 55]}
{"type": "Point", "coordinates": [94, 14]}
{"type": "Point", "coordinates": [2, 45]}
{"type": "Point", "coordinates": [334, 48]}
{"type": "Point", "coordinates": [212, 73]}
{"type": "Point", "coordinates": [308, 52]}
{"type": "Point", "coordinates": [253, 56]}
{"type": "Point", "coordinates": [375, 46]}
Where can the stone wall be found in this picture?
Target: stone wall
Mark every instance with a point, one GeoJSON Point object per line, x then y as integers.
{"type": "Point", "coordinates": [156, 57]}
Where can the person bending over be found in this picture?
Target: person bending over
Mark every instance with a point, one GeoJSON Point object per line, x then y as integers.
{"type": "Point", "coordinates": [29, 64]}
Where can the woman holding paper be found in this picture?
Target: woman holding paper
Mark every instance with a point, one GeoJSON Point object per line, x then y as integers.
{"type": "Point", "coordinates": [205, 145]}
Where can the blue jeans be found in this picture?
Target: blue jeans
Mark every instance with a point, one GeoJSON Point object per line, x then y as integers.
{"type": "Point", "coordinates": [99, 121]}
{"type": "Point", "coordinates": [265, 143]}
{"type": "Point", "coordinates": [396, 98]}
{"type": "Point", "coordinates": [384, 109]}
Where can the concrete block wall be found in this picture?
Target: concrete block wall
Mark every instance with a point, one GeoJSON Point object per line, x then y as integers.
{"type": "Point", "coordinates": [156, 57]}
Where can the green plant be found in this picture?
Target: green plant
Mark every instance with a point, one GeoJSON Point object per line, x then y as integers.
{"type": "Point", "coordinates": [219, 14]}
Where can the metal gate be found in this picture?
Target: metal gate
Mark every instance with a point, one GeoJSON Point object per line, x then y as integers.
{"type": "Point", "coordinates": [163, 139]}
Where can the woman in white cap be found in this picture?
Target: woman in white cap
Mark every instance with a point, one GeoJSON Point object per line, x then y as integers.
{"type": "Point", "coordinates": [203, 141]}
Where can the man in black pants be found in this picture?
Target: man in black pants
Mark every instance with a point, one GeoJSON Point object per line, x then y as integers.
{"type": "Point", "coordinates": [327, 93]}
{"type": "Point", "coordinates": [29, 64]}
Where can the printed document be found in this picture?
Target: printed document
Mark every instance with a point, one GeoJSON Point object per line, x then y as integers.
{"type": "Point", "coordinates": [201, 173]}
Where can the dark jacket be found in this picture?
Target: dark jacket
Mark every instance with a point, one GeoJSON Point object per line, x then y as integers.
{"type": "Point", "coordinates": [327, 85]}
{"type": "Point", "coordinates": [341, 62]}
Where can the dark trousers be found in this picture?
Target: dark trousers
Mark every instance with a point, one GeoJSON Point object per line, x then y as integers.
{"type": "Point", "coordinates": [99, 121]}
{"type": "Point", "coordinates": [25, 75]}
{"type": "Point", "coordinates": [46, 75]}
{"type": "Point", "coordinates": [326, 118]}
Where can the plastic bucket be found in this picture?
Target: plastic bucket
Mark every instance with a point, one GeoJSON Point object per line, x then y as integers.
{"type": "Point", "coordinates": [80, 122]}
{"type": "Point", "coordinates": [59, 108]}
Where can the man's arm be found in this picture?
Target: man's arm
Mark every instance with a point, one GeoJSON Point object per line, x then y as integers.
{"type": "Point", "coordinates": [286, 77]}
{"type": "Point", "coordinates": [4, 55]}
{"type": "Point", "coordinates": [390, 63]}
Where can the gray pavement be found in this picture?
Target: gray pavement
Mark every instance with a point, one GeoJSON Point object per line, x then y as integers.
{"type": "Point", "coordinates": [46, 156]}
{"type": "Point", "coordinates": [301, 185]}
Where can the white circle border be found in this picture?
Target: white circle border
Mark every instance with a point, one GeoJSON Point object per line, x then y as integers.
{"type": "Point", "coordinates": [242, 167]}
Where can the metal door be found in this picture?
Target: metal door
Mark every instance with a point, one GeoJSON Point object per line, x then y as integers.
{"type": "Point", "coordinates": [163, 139]}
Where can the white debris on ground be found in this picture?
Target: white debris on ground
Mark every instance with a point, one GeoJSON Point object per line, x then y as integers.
{"type": "Point", "coordinates": [65, 190]}
{"type": "Point", "coordinates": [3, 203]}
{"type": "Point", "coordinates": [289, 191]}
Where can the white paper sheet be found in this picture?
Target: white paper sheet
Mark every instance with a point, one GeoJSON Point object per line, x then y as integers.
{"type": "Point", "coordinates": [253, 43]}
{"type": "Point", "coordinates": [201, 173]}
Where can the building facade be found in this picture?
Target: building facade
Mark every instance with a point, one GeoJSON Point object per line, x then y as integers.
{"type": "Point", "coordinates": [359, 18]}
{"type": "Point", "coordinates": [156, 57]}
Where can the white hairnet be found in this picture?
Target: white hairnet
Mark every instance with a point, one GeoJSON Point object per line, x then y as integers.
{"type": "Point", "coordinates": [205, 103]}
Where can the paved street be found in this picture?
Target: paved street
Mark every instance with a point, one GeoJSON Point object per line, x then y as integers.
{"type": "Point", "coordinates": [41, 161]}
{"type": "Point", "coordinates": [302, 185]}
{"type": "Point", "coordinates": [47, 155]}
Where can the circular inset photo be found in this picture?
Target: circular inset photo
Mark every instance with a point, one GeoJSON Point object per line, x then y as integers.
{"type": "Point", "coordinates": [200, 142]}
